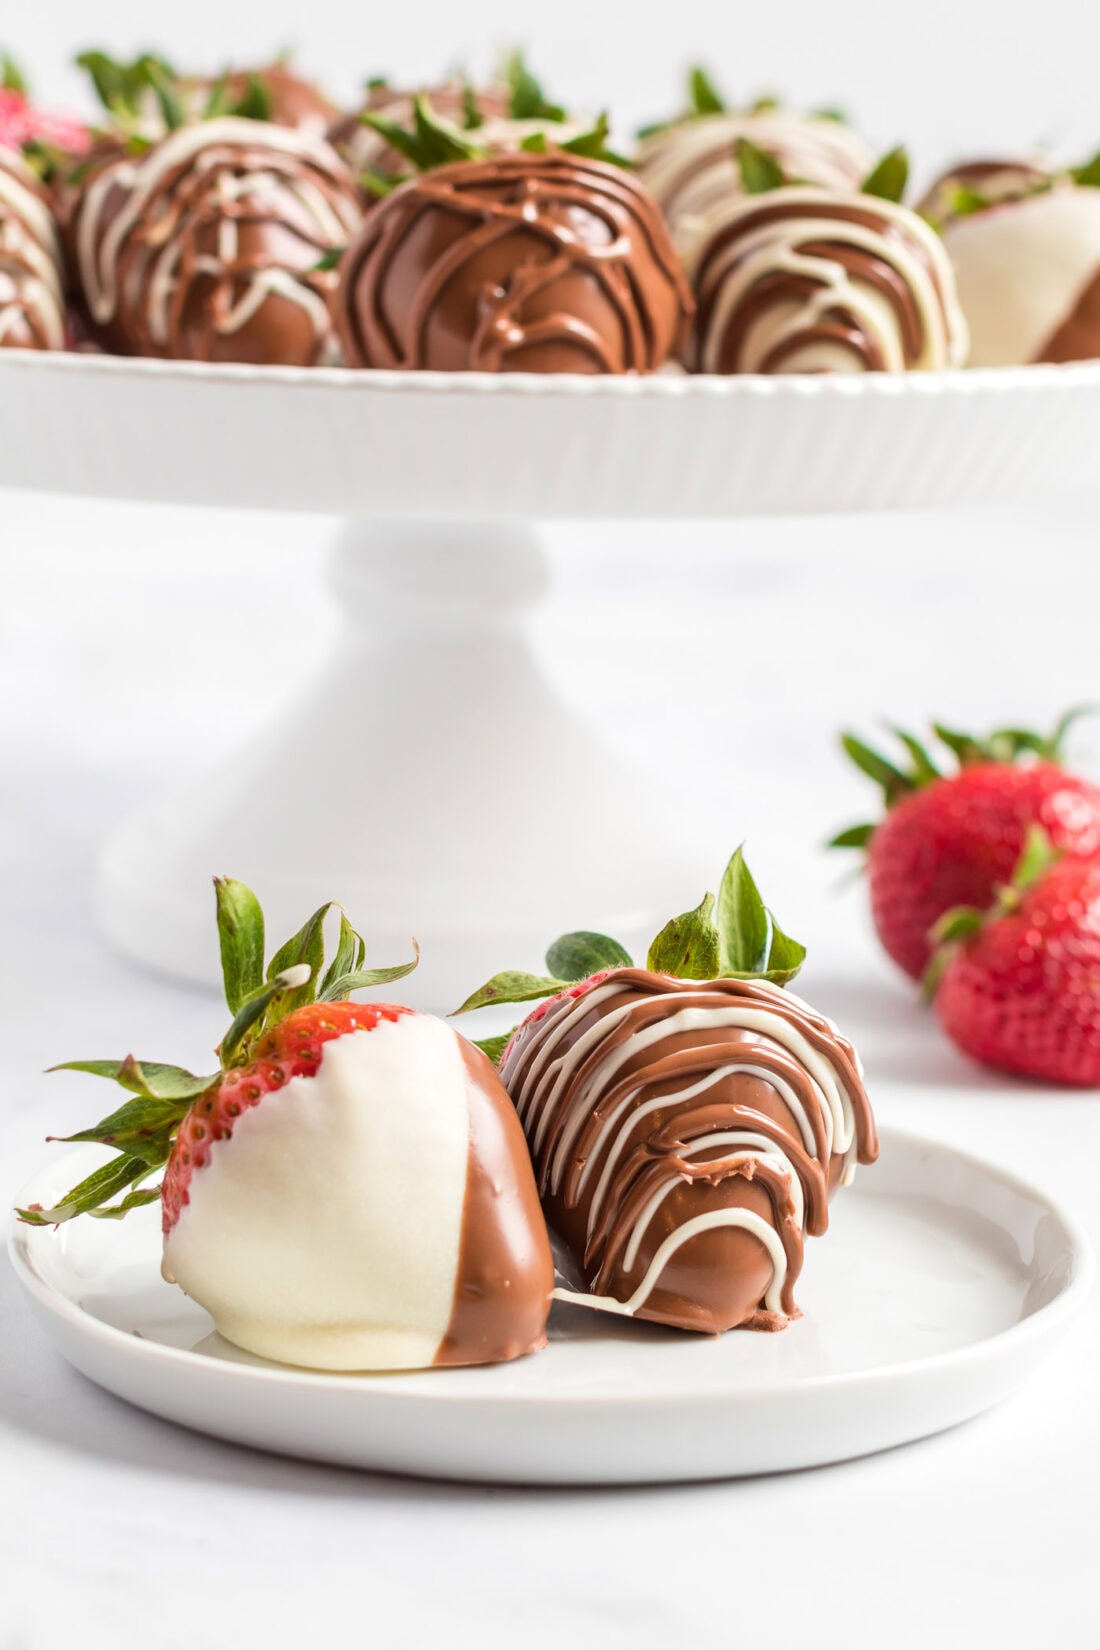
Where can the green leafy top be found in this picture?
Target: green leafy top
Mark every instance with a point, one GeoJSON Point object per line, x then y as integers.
{"type": "Point", "coordinates": [889, 178]}
{"type": "Point", "coordinates": [961, 922]}
{"type": "Point", "coordinates": [731, 936]}
{"type": "Point", "coordinates": [127, 90]}
{"type": "Point", "coordinates": [12, 78]}
{"type": "Point", "coordinates": [432, 141]}
{"type": "Point", "coordinates": [705, 99]}
{"type": "Point", "coordinates": [143, 1129]}
{"type": "Point", "coordinates": [526, 99]}
{"type": "Point", "coordinates": [919, 768]}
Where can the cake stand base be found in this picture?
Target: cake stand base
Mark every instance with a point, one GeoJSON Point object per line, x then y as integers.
{"type": "Point", "coordinates": [431, 780]}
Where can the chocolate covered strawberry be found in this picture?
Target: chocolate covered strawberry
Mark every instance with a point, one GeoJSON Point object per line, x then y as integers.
{"type": "Point", "coordinates": [350, 1189]}
{"type": "Point", "coordinates": [1017, 987]}
{"type": "Point", "coordinates": [688, 1119]}
{"type": "Point", "coordinates": [953, 832]}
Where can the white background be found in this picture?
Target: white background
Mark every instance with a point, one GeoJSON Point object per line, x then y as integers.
{"type": "Point", "coordinates": [136, 646]}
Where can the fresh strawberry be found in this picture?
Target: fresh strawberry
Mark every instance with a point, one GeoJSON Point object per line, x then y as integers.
{"type": "Point", "coordinates": [952, 838]}
{"type": "Point", "coordinates": [1018, 987]}
{"type": "Point", "coordinates": [281, 1022]}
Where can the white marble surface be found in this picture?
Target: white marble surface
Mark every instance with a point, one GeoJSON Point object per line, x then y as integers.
{"type": "Point", "coordinates": [134, 647]}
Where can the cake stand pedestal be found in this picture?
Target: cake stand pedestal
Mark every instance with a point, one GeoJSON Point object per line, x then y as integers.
{"type": "Point", "coordinates": [431, 779]}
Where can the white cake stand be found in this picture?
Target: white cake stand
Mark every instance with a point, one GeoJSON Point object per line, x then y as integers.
{"type": "Point", "coordinates": [438, 476]}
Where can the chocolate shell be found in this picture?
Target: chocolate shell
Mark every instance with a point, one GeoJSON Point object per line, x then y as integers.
{"type": "Point", "coordinates": [686, 1136]}
{"type": "Point", "coordinates": [521, 263]}
{"type": "Point", "coordinates": [803, 280]}
{"type": "Point", "coordinates": [1028, 274]}
{"type": "Point", "coordinates": [32, 302]}
{"type": "Point", "coordinates": [690, 167]}
{"type": "Point", "coordinates": [206, 246]}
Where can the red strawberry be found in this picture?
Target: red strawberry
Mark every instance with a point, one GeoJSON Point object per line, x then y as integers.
{"type": "Point", "coordinates": [1018, 988]}
{"type": "Point", "coordinates": [281, 1022]}
{"type": "Point", "coordinates": [22, 126]}
{"type": "Point", "coordinates": [952, 839]}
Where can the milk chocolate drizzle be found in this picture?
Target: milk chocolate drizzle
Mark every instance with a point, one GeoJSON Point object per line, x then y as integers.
{"type": "Point", "coordinates": [206, 247]}
{"type": "Point", "coordinates": [32, 304]}
{"type": "Point", "coordinates": [525, 262]}
{"type": "Point", "coordinates": [803, 280]}
{"type": "Point", "coordinates": [686, 1136]}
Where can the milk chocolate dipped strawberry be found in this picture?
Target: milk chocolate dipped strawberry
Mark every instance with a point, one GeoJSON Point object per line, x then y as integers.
{"type": "Point", "coordinates": [793, 278]}
{"type": "Point", "coordinates": [32, 298]}
{"type": "Point", "coordinates": [688, 1120]}
{"type": "Point", "coordinates": [690, 165]}
{"type": "Point", "coordinates": [546, 260]}
{"type": "Point", "coordinates": [1027, 265]}
{"type": "Point", "coordinates": [209, 244]}
{"type": "Point", "coordinates": [350, 1189]}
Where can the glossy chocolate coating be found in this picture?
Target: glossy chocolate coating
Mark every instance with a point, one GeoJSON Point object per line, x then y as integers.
{"type": "Point", "coordinates": [800, 279]}
{"type": "Point", "coordinates": [686, 1136]}
{"type": "Point", "coordinates": [522, 263]}
{"type": "Point", "coordinates": [505, 1270]}
{"type": "Point", "coordinates": [206, 247]}
{"type": "Point", "coordinates": [32, 305]}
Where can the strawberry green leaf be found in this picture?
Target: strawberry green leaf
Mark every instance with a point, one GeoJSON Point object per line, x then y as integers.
{"type": "Point", "coordinates": [856, 836]}
{"type": "Point", "coordinates": [687, 948]}
{"type": "Point", "coordinates": [362, 979]}
{"type": "Point", "coordinates": [494, 1046]}
{"type": "Point", "coordinates": [963, 746]}
{"type": "Point", "coordinates": [837, 115]}
{"type": "Point", "coordinates": [760, 172]}
{"type": "Point", "coordinates": [924, 769]}
{"type": "Point", "coordinates": [241, 935]}
{"type": "Point", "coordinates": [956, 924]}
{"type": "Point", "coordinates": [139, 1123]}
{"type": "Point", "coordinates": [350, 952]}
{"type": "Point", "coordinates": [783, 958]}
{"type": "Point", "coordinates": [11, 76]}
{"type": "Point", "coordinates": [576, 956]}
{"type": "Point", "coordinates": [147, 1078]}
{"type": "Point", "coordinates": [513, 987]}
{"type": "Point", "coordinates": [373, 183]}
{"type": "Point", "coordinates": [431, 141]}
{"type": "Point", "coordinates": [894, 783]}
{"type": "Point", "coordinates": [765, 105]}
{"type": "Point", "coordinates": [526, 99]}
{"type": "Point", "coordinates": [218, 102]}
{"type": "Point", "coordinates": [1056, 738]}
{"type": "Point", "coordinates": [1088, 176]}
{"type": "Point", "coordinates": [889, 178]}
{"type": "Point", "coordinates": [593, 145]}
{"type": "Point", "coordinates": [705, 97]}
{"type": "Point", "coordinates": [1038, 856]}
{"type": "Point", "coordinates": [162, 84]}
{"type": "Point", "coordinates": [98, 1188]}
{"type": "Point", "coordinates": [472, 116]}
{"type": "Point", "coordinates": [284, 989]}
{"type": "Point", "coordinates": [133, 1200]}
{"type": "Point", "coordinates": [741, 919]}
{"type": "Point", "coordinates": [254, 102]}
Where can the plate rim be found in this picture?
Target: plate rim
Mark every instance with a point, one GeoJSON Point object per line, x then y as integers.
{"type": "Point", "coordinates": [654, 387]}
{"type": "Point", "coordinates": [1046, 1319]}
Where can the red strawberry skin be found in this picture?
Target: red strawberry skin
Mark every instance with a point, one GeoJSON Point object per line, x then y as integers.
{"type": "Point", "coordinates": [955, 841]}
{"type": "Point", "coordinates": [1023, 994]}
{"type": "Point", "coordinates": [293, 1048]}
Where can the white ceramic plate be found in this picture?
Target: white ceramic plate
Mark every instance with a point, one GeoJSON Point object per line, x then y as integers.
{"type": "Point", "coordinates": [941, 1286]}
{"type": "Point", "coordinates": [518, 446]}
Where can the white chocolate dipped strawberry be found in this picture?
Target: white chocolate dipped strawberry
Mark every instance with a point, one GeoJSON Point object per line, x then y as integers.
{"type": "Point", "coordinates": [351, 1188]}
{"type": "Point", "coordinates": [1027, 267]}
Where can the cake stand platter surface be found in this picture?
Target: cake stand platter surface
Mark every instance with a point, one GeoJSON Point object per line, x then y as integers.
{"type": "Point", "coordinates": [941, 1285]}
{"type": "Point", "coordinates": [438, 476]}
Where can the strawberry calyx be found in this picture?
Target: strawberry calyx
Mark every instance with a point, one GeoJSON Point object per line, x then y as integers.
{"type": "Point", "coordinates": [432, 141]}
{"type": "Point", "coordinates": [919, 768]}
{"type": "Point", "coordinates": [46, 141]}
{"type": "Point", "coordinates": [731, 935]}
{"type": "Point", "coordinates": [129, 90]}
{"type": "Point", "coordinates": [961, 922]}
{"type": "Point", "coordinates": [143, 1130]}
